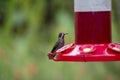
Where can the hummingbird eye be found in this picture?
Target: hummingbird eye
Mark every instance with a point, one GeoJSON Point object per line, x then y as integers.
{"type": "Point", "coordinates": [60, 34]}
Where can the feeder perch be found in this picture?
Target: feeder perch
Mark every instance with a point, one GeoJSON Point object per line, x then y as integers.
{"type": "Point", "coordinates": [92, 34]}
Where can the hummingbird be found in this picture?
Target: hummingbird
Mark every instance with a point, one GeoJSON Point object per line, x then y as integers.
{"type": "Point", "coordinates": [59, 43]}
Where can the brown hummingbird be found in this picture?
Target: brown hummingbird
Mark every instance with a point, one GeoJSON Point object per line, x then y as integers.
{"type": "Point", "coordinates": [59, 43]}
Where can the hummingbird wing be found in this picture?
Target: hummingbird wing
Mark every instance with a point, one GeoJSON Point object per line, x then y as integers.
{"type": "Point", "coordinates": [55, 47]}
{"type": "Point", "coordinates": [58, 45]}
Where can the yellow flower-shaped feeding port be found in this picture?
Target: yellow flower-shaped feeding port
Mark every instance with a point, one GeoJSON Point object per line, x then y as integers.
{"type": "Point", "coordinates": [87, 50]}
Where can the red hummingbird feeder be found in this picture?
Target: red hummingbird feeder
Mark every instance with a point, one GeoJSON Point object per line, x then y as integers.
{"type": "Point", "coordinates": [92, 34]}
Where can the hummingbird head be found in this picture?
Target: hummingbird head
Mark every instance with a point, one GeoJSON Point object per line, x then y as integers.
{"type": "Point", "coordinates": [61, 35]}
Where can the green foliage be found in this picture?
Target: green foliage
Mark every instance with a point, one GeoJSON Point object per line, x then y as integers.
{"type": "Point", "coordinates": [26, 38]}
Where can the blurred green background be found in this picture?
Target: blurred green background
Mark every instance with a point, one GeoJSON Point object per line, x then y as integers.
{"type": "Point", "coordinates": [28, 31]}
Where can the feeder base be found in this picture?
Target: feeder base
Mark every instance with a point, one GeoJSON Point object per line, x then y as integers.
{"type": "Point", "coordinates": [87, 53]}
